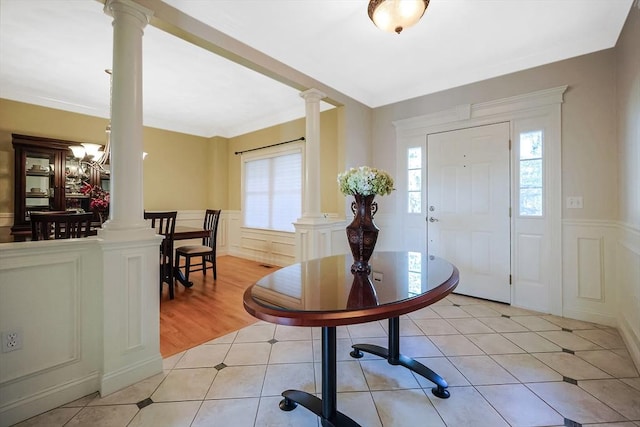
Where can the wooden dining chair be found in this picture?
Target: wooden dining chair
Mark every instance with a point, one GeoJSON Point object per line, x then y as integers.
{"type": "Point", "coordinates": [60, 225]}
{"type": "Point", "coordinates": [165, 224]}
{"type": "Point", "coordinates": [206, 251]}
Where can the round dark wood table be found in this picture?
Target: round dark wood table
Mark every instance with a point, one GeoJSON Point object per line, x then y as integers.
{"type": "Point", "coordinates": [325, 293]}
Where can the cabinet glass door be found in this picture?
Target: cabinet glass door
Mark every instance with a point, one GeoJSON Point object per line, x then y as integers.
{"type": "Point", "coordinates": [39, 182]}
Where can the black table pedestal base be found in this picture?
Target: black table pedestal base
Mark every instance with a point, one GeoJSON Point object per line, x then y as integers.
{"type": "Point", "coordinates": [394, 357]}
{"type": "Point", "coordinates": [326, 407]}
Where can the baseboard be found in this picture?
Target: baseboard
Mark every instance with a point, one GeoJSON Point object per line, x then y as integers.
{"type": "Point", "coordinates": [45, 400]}
{"type": "Point", "coordinates": [130, 374]}
{"type": "Point", "coordinates": [631, 340]}
{"type": "Point", "coordinates": [585, 316]}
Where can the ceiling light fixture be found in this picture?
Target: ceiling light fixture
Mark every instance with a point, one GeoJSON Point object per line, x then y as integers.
{"type": "Point", "coordinates": [396, 15]}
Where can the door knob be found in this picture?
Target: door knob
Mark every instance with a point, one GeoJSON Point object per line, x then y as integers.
{"type": "Point", "coordinates": [432, 219]}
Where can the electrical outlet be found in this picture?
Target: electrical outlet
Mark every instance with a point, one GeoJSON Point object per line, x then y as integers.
{"type": "Point", "coordinates": [377, 276]}
{"type": "Point", "coordinates": [11, 340]}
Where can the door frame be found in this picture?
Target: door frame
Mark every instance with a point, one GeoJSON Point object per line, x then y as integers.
{"type": "Point", "coordinates": [544, 104]}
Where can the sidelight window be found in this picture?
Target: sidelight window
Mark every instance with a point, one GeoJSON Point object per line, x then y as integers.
{"type": "Point", "coordinates": [531, 173]}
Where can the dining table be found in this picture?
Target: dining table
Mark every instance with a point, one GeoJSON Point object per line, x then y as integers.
{"type": "Point", "coordinates": [327, 293]}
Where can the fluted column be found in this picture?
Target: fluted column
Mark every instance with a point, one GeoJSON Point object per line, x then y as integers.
{"type": "Point", "coordinates": [126, 205]}
{"type": "Point", "coordinates": [311, 191]}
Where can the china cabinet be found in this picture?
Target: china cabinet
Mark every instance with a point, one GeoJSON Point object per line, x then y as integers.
{"type": "Point", "coordinates": [49, 178]}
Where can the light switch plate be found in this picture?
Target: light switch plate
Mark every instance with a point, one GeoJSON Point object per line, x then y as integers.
{"type": "Point", "coordinates": [574, 202]}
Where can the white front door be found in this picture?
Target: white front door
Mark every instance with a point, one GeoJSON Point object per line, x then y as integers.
{"type": "Point", "coordinates": [468, 207]}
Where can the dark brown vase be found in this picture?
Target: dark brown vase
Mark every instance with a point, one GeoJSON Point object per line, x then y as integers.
{"type": "Point", "coordinates": [362, 293]}
{"type": "Point", "coordinates": [362, 233]}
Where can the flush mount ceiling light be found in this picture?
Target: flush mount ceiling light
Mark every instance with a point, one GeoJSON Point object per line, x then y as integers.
{"type": "Point", "coordinates": [396, 15]}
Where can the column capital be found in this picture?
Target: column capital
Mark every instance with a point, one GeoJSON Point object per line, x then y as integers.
{"type": "Point", "coordinates": [311, 95]}
{"type": "Point", "coordinates": [132, 8]}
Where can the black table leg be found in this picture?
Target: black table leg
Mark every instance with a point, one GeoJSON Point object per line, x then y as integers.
{"type": "Point", "coordinates": [325, 408]}
{"type": "Point", "coordinates": [393, 356]}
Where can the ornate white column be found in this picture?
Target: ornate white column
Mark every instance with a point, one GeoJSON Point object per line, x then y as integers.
{"type": "Point", "coordinates": [130, 273]}
{"type": "Point", "coordinates": [311, 190]}
{"type": "Point", "coordinates": [126, 205]}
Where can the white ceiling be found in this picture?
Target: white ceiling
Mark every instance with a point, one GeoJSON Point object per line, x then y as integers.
{"type": "Point", "coordinates": [53, 53]}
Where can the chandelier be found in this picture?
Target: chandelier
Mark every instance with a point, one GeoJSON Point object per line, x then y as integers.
{"type": "Point", "coordinates": [396, 15]}
{"type": "Point", "coordinates": [93, 155]}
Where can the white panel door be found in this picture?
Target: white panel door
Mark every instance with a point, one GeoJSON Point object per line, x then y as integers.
{"type": "Point", "coordinates": [468, 218]}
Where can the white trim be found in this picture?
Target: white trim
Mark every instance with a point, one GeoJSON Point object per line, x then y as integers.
{"type": "Point", "coordinates": [535, 104]}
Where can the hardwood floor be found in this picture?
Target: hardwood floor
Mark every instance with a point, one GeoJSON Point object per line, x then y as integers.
{"type": "Point", "coordinates": [208, 309]}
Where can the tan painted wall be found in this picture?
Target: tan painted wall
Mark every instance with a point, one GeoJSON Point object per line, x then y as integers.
{"type": "Point", "coordinates": [177, 172]}
{"type": "Point", "coordinates": [286, 132]}
{"type": "Point", "coordinates": [589, 145]}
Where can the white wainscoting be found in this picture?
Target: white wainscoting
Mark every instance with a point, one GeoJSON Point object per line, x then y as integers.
{"type": "Point", "coordinates": [50, 292]}
{"type": "Point", "coordinates": [628, 285]}
{"type": "Point", "coordinates": [589, 285]}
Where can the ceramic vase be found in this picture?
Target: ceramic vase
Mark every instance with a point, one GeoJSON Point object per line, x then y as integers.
{"type": "Point", "coordinates": [362, 233]}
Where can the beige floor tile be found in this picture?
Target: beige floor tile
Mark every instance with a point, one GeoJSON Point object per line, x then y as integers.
{"type": "Point", "coordinates": [480, 311]}
{"type": "Point", "coordinates": [359, 406]}
{"type": "Point", "coordinates": [512, 311]}
{"type": "Point", "coordinates": [620, 424]}
{"type": "Point", "coordinates": [292, 333]}
{"type": "Point", "coordinates": [55, 418]}
{"type": "Point", "coordinates": [406, 408]}
{"type": "Point", "coordinates": [167, 414]}
{"type": "Point", "coordinates": [257, 332]}
{"type": "Point", "coordinates": [418, 347]}
{"type": "Point", "coordinates": [380, 375]}
{"type": "Point", "coordinates": [570, 365]}
{"type": "Point", "coordinates": [494, 344]}
{"type": "Point", "coordinates": [270, 415]}
{"type": "Point", "coordinates": [185, 384]}
{"type": "Point", "coordinates": [451, 312]}
{"type": "Point", "coordinates": [633, 382]}
{"type": "Point", "coordinates": [520, 406]}
{"type": "Point", "coordinates": [248, 354]}
{"type": "Point", "coordinates": [461, 299]}
{"type": "Point", "coordinates": [104, 416]}
{"type": "Point", "coordinates": [83, 401]}
{"type": "Point", "coordinates": [444, 301]}
{"type": "Point", "coordinates": [502, 324]}
{"type": "Point", "coordinates": [618, 395]}
{"type": "Point", "coordinates": [227, 412]}
{"type": "Point", "coordinates": [298, 376]}
{"type": "Point", "coordinates": [238, 381]}
{"type": "Point", "coordinates": [536, 323]}
{"type": "Point", "coordinates": [424, 313]}
{"type": "Point", "coordinates": [455, 345]}
{"type": "Point", "coordinates": [601, 337]}
{"type": "Point", "coordinates": [366, 330]}
{"type": "Point", "coordinates": [526, 368]}
{"type": "Point", "coordinates": [443, 367]}
{"type": "Point", "coordinates": [569, 340]}
{"type": "Point", "coordinates": [436, 327]}
{"type": "Point", "coordinates": [574, 403]}
{"type": "Point", "coordinates": [350, 377]}
{"type": "Point", "coordinates": [291, 352]}
{"type": "Point", "coordinates": [531, 342]}
{"type": "Point", "coordinates": [565, 322]}
{"type": "Point", "coordinates": [482, 370]}
{"type": "Point", "coordinates": [171, 361]}
{"type": "Point", "coordinates": [204, 356]}
{"type": "Point", "coordinates": [470, 326]}
{"type": "Point", "coordinates": [467, 408]}
{"type": "Point", "coordinates": [225, 339]}
{"type": "Point", "coordinates": [610, 362]}
{"type": "Point", "coordinates": [407, 327]}
{"type": "Point", "coordinates": [343, 348]}
{"type": "Point", "coordinates": [132, 394]}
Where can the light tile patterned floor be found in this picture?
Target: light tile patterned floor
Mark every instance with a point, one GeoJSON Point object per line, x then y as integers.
{"type": "Point", "coordinates": [505, 367]}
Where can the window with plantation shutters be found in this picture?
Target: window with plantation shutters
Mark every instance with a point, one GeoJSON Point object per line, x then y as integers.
{"type": "Point", "coordinates": [272, 189]}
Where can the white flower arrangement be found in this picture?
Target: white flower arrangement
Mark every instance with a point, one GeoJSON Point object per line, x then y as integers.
{"type": "Point", "coordinates": [365, 181]}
